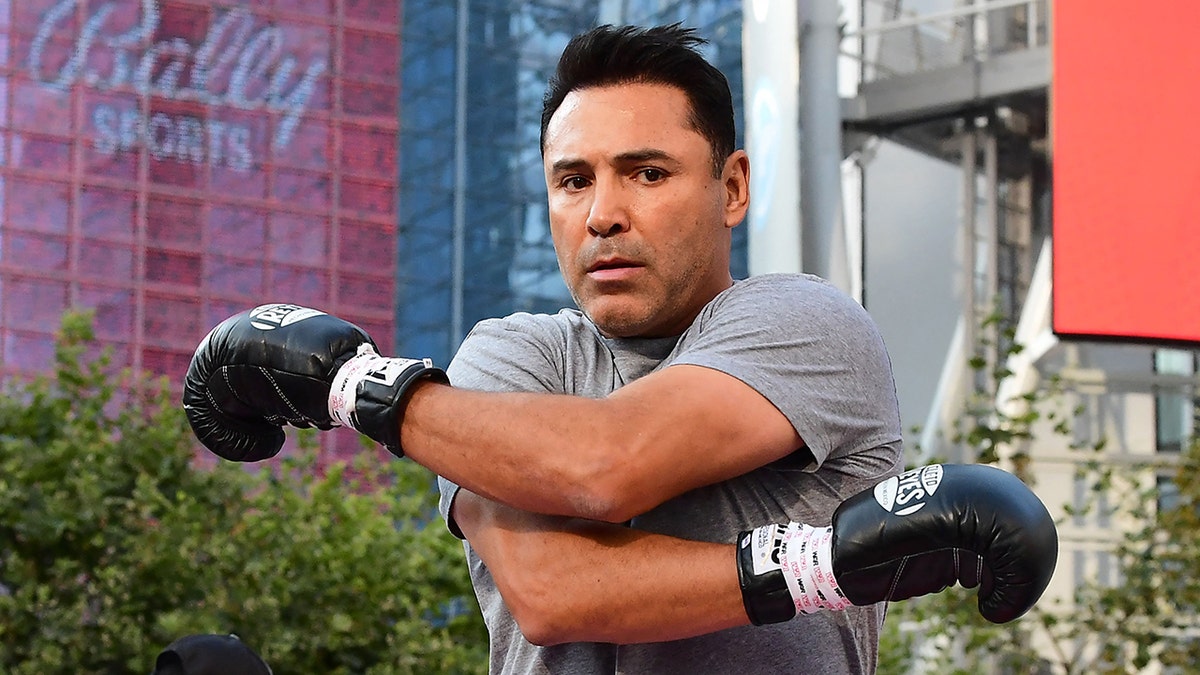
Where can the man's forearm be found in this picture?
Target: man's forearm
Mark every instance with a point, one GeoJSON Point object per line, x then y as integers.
{"type": "Point", "coordinates": [572, 580]}
{"type": "Point", "coordinates": [537, 452]}
{"type": "Point", "coordinates": [604, 459]}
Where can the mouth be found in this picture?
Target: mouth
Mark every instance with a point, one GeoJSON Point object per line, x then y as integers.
{"type": "Point", "coordinates": [613, 269]}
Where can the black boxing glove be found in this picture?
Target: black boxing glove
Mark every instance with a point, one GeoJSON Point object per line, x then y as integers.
{"type": "Point", "coordinates": [912, 535]}
{"type": "Point", "coordinates": [278, 364]}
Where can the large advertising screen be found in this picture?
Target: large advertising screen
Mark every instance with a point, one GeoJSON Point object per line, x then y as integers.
{"type": "Point", "coordinates": [1126, 177]}
{"type": "Point", "coordinates": [167, 163]}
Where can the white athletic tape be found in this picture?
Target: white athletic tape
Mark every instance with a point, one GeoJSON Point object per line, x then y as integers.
{"type": "Point", "coordinates": [806, 556]}
{"type": "Point", "coordinates": [343, 393]}
{"type": "Point", "coordinates": [366, 365]}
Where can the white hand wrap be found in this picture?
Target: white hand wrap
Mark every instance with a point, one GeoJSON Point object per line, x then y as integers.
{"type": "Point", "coordinates": [343, 393]}
{"type": "Point", "coordinates": [785, 569]}
{"type": "Point", "coordinates": [390, 373]}
{"type": "Point", "coordinates": [806, 558]}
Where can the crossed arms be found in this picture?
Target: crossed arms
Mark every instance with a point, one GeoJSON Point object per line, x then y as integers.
{"type": "Point", "coordinates": [567, 576]}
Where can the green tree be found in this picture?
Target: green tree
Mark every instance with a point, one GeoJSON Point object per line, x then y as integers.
{"type": "Point", "coordinates": [115, 540]}
{"type": "Point", "coordinates": [1151, 614]}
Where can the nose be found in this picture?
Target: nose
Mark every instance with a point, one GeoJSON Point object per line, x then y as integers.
{"type": "Point", "coordinates": [609, 214]}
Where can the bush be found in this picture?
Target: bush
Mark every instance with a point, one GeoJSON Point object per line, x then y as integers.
{"type": "Point", "coordinates": [114, 541]}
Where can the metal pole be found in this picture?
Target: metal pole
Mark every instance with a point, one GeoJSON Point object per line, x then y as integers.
{"type": "Point", "coordinates": [991, 257]}
{"type": "Point", "coordinates": [991, 216]}
{"type": "Point", "coordinates": [970, 315]}
{"type": "Point", "coordinates": [460, 178]}
{"type": "Point", "coordinates": [823, 250]}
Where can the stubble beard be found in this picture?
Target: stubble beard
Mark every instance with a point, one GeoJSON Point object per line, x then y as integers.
{"type": "Point", "coordinates": [657, 314]}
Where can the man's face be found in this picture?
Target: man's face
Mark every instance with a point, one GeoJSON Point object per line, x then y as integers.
{"type": "Point", "coordinates": [640, 224]}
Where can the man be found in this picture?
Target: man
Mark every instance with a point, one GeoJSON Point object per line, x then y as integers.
{"type": "Point", "coordinates": [601, 462]}
{"type": "Point", "coordinates": [736, 404]}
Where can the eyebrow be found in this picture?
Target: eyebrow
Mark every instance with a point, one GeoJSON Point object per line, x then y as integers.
{"type": "Point", "coordinates": [567, 165]}
{"type": "Point", "coordinates": [630, 157]}
{"type": "Point", "coordinates": [643, 155]}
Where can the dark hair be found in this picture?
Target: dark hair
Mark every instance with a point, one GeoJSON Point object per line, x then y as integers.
{"type": "Point", "coordinates": [667, 55]}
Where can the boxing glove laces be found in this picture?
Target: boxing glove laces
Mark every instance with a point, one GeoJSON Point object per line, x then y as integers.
{"type": "Point", "coordinates": [912, 535]}
{"type": "Point", "coordinates": [283, 364]}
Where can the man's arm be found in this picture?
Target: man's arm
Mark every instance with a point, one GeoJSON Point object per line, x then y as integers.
{"type": "Point", "coordinates": [572, 580]}
{"type": "Point", "coordinates": [569, 580]}
{"type": "Point", "coordinates": [604, 459]}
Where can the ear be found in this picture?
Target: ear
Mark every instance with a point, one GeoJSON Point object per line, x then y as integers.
{"type": "Point", "coordinates": [736, 179]}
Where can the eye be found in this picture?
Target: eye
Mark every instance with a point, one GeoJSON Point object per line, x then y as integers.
{"type": "Point", "coordinates": [574, 183]}
{"type": "Point", "coordinates": [651, 175]}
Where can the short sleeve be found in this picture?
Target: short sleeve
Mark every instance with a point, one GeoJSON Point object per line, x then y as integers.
{"type": "Point", "coordinates": [516, 353]}
{"type": "Point", "coordinates": [809, 349]}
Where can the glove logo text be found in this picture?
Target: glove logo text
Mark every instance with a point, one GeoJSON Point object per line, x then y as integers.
{"type": "Point", "coordinates": [905, 494]}
{"type": "Point", "coordinates": [765, 547]}
{"type": "Point", "coordinates": [279, 315]}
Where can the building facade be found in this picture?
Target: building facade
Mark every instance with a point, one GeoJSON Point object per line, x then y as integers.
{"type": "Point", "coordinates": [967, 89]}
{"type": "Point", "coordinates": [474, 240]}
{"type": "Point", "coordinates": [169, 163]}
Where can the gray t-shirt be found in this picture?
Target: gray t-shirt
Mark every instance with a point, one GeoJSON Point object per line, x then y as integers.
{"type": "Point", "coordinates": [805, 346]}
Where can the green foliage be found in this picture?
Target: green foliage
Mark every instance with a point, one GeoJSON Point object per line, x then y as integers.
{"type": "Point", "coordinates": [1153, 612]}
{"type": "Point", "coordinates": [992, 431]}
{"type": "Point", "coordinates": [1151, 616]}
{"type": "Point", "coordinates": [115, 540]}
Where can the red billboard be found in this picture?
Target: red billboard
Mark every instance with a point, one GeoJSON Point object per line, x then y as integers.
{"type": "Point", "coordinates": [167, 163]}
{"type": "Point", "coordinates": [1126, 178]}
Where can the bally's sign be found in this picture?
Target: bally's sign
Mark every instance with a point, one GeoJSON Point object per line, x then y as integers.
{"type": "Point", "coordinates": [239, 64]}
